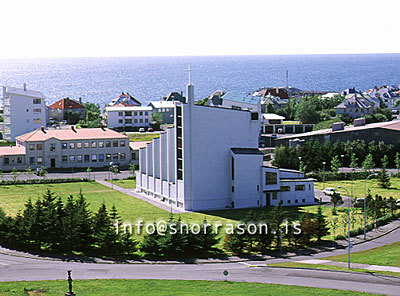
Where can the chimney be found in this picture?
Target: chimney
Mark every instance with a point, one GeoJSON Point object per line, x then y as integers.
{"type": "Point", "coordinates": [338, 126]}
{"type": "Point", "coordinates": [102, 127]}
{"type": "Point", "coordinates": [42, 129]}
{"type": "Point", "coordinates": [73, 129]}
{"type": "Point", "coordinates": [359, 122]}
{"type": "Point", "coordinates": [24, 86]}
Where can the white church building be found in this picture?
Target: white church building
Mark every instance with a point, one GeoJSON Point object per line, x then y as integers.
{"type": "Point", "coordinates": [210, 160]}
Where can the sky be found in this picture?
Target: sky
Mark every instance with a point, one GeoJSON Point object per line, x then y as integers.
{"type": "Point", "coordinates": [86, 28]}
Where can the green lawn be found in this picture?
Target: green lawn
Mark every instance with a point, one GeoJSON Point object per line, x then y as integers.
{"type": "Point", "coordinates": [388, 255]}
{"type": "Point", "coordinates": [331, 267]}
{"type": "Point", "coordinates": [143, 137]}
{"type": "Point", "coordinates": [161, 287]}
{"type": "Point", "coordinates": [127, 184]}
{"type": "Point", "coordinates": [358, 187]}
{"type": "Point", "coordinates": [291, 122]}
{"type": "Point", "coordinates": [326, 124]}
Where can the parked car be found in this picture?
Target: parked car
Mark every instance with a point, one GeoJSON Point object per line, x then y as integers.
{"type": "Point", "coordinates": [150, 129]}
{"type": "Point", "coordinates": [359, 203]}
{"type": "Point", "coordinates": [38, 171]}
{"type": "Point", "coordinates": [329, 191]}
{"type": "Point", "coordinates": [114, 166]}
{"type": "Point", "coordinates": [142, 130]}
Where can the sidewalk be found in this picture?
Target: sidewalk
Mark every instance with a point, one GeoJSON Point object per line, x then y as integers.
{"type": "Point", "coordinates": [353, 265]}
{"type": "Point", "coordinates": [132, 192]}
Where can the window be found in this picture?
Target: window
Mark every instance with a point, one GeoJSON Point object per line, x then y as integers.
{"type": "Point", "coordinates": [134, 156]}
{"type": "Point", "coordinates": [254, 116]}
{"type": "Point", "coordinates": [122, 144]}
{"type": "Point", "coordinates": [128, 113]}
{"type": "Point", "coordinates": [233, 188]}
{"type": "Point", "coordinates": [122, 156]}
{"type": "Point", "coordinates": [94, 144]}
{"type": "Point", "coordinates": [71, 158]}
{"type": "Point", "coordinates": [94, 157]}
{"type": "Point", "coordinates": [86, 144]}
{"type": "Point", "coordinates": [79, 158]}
{"type": "Point", "coordinates": [64, 158]}
{"type": "Point", "coordinates": [115, 143]}
{"type": "Point", "coordinates": [6, 160]}
{"type": "Point", "coordinates": [146, 120]}
{"type": "Point", "coordinates": [300, 187]}
{"type": "Point", "coordinates": [275, 195]}
{"type": "Point", "coordinates": [87, 158]}
{"type": "Point", "coordinates": [115, 156]}
{"type": "Point", "coordinates": [271, 178]}
{"type": "Point", "coordinates": [309, 186]}
{"type": "Point", "coordinates": [101, 144]}
{"type": "Point", "coordinates": [146, 113]}
{"type": "Point", "coordinates": [128, 120]}
{"type": "Point", "coordinates": [233, 168]}
{"type": "Point", "coordinates": [71, 145]}
{"type": "Point", "coordinates": [303, 200]}
{"type": "Point", "coordinates": [19, 159]}
{"type": "Point", "coordinates": [39, 146]}
{"type": "Point", "coordinates": [120, 121]}
{"type": "Point", "coordinates": [135, 120]}
{"type": "Point", "coordinates": [108, 157]}
{"type": "Point", "coordinates": [52, 147]}
{"type": "Point", "coordinates": [37, 101]}
{"type": "Point", "coordinates": [288, 202]}
{"type": "Point", "coordinates": [31, 146]}
{"type": "Point", "coordinates": [135, 113]}
{"type": "Point", "coordinates": [285, 188]}
{"type": "Point", "coordinates": [141, 113]}
{"type": "Point", "coordinates": [101, 157]}
{"type": "Point", "coordinates": [108, 143]}
{"type": "Point", "coordinates": [64, 145]}
{"type": "Point", "coordinates": [141, 120]}
{"type": "Point", "coordinates": [296, 201]}
{"type": "Point", "coordinates": [120, 113]}
{"type": "Point", "coordinates": [37, 120]}
{"type": "Point", "coordinates": [79, 145]}
{"type": "Point", "coordinates": [31, 160]}
{"type": "Point", "coordinates": [37, 111]}
{"type": "Point", "coordinates": [27, 110]}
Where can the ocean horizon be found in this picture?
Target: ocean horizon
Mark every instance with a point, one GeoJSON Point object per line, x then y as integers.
{"type": "Point", "coordinates": [99, 80]}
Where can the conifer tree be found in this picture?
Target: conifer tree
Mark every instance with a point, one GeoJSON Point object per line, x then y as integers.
{"type": "Point", "coordinates": [321, 225]}
{"type": "Point", "coordinates": [383, 176]}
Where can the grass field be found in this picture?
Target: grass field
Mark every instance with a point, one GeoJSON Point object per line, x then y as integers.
{"type": "Point", "coordinates": [127, 184]}
{"type": "Point", "coordinates": [326, 124]}
{"type": "Point", "coordinates": [331, 267]}
{"type": "Point", "coordinates": [388, 255]}
{"type": "Point", "coordinates": [358, 187]}
{"type": "Point", "coordinates": [160, 287]}
{"type": "Point", "coordinates": [143, 137]}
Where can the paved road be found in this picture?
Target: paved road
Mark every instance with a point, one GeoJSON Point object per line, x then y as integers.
{"type": "Point", "coordinates": [19, 268]}
{"type": "Point", "coordinates": [97, 175]}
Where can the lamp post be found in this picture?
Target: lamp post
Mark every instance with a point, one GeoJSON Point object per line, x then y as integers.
{"type": "Point", "coordinates": [348, 230]}
{"type": "Point", "coordinates": [342, 156]}
{"type": "Point", "coordinates": [324, 163]}
{"type": "Point", "coordinates": [365, 204]}
{"type": "Point", "coordinates": [300, 163]}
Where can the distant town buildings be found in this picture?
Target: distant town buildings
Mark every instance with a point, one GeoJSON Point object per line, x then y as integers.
{"type": "Point", "coordinates": [24, 110]}
{"type": "Point", "coordinates": [129, 118]}
{"type": "Point", "coordinates": [237, 101]}
{"type": "Point", "coordinates": [125, 99]}
{"type": "Point", "coordinates": [165, 108]}
{"type": "Point", "coordinates": [356, 105]}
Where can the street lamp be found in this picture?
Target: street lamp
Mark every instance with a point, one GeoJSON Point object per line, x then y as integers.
{"type": "Point", "coordinates": [365, 204]}
{"type": "Point", "coordinates": [342, 156]}
{"type": "Point", "coordinates": [324, 163]}
{"type": "Point", "coordinates": [348, 237]}
{"type": "Point", "coordinates": [300, 163]}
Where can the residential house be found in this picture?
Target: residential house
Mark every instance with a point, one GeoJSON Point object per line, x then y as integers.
{"type": "Point", "coordinates": [125, 99]}
{"type": "Point", "coordinates": [356, 105]}
{"type": "Point", "coordinates": [237, 101]}
{"type": "Point", "coordinates": [388, 95]}
{"type": "Point", "coordinates": [24, 111]}
{"type": "Point", "coordinates": [175, 96]}
{"type": "Point", "coordinates": [67, 110]}
{"type": "Point", "coordinates": [166, 108]}
{"type": "Point", "coordinates": [123, 117]}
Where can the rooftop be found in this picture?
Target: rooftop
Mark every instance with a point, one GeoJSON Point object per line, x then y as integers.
{"type": "Point", "coordinates": [162, 104]}
{"type": "Point", "coordinates": [26, 93]}
{"type": "Point", "coordinates": [12, 150]}
{"type": "Point", "coordinates": [70, 134]}
{"type": "Point", "coordinates": [128, 108]}
{"type": "Point", "coordinates": [139, 144]}
{"type": "Point", "coordinates": [273, 116]}
{"type": "Point", "coordinates": [246, 151]}
{"type": "Point", "coordinates": [66, 103]}
{"type": "Point", "coordinates": [241, 98]}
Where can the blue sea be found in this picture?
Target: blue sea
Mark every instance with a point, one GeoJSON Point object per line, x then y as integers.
{"type": "Point", "coordinates": [152, 78]}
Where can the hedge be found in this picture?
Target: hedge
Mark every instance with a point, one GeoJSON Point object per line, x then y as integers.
{"type": "Point", "coordinates": [43, 181]}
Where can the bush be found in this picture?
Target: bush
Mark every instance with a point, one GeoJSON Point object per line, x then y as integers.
{"type": "Point", "coordinates": [43, 181]}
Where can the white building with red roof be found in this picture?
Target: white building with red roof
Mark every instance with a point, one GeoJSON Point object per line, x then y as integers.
{"type": "Point", "coordinates": [68, 110]}
{"type": "Point", "coordinates": [66, 148]}
{"type": "Point", "coordinates": [24, 111]}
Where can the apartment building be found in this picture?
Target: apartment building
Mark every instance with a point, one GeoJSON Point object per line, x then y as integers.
{"type": "Point", "coordinates": [24, 111]}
